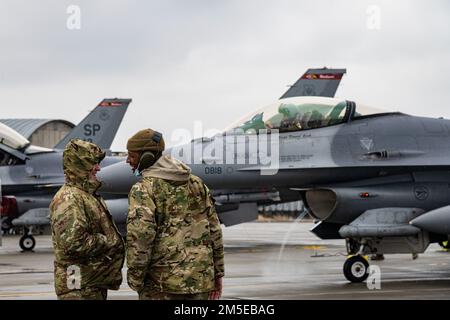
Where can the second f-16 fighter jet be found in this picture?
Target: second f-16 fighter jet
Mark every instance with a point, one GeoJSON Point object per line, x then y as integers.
{"type": "Point", "coordinates": [30, 175]}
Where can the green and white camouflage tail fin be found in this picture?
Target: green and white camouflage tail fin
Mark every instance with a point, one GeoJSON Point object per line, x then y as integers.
{"type": "Point", "coordinates": [100, 125]}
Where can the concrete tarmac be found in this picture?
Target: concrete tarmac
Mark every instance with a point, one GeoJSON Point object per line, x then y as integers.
{"type": "Point", "coordinates": [263, 260]}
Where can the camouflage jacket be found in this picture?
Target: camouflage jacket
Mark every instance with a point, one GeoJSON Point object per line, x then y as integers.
{"type": "Point", "coordinates": [83, 233]}
{"type": "Point", "coordinates": [174, 239]}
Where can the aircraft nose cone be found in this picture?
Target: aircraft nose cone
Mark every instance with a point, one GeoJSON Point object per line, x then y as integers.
{"type": "Point", "coordinates": [437, 221]}
{"type": "Point", "coordinates": [117, 178]}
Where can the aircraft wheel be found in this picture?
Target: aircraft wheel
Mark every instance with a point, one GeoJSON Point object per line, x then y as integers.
{"type": "Point", "coordinates": [356, 269]}
{"type": "Point", "coordinates": [445, 244]}
{"type": "Point", "coordinates": [6, 224]}
{"type": "Point", "coordinates": [27, 242]}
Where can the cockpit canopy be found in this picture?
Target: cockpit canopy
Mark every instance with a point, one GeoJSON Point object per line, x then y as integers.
{"type": "Point", "coordinates": [12, 138]}
{"type": "Point", "coordinates": [15, 148]}
{"type": "Point", "coordinates": [301, 113]}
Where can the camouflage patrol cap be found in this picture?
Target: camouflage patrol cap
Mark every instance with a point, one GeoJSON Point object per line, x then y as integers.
{"type": "Point", "coordinates": [81, 156]}
{"type": "Point", "coordinates": [146, 140]}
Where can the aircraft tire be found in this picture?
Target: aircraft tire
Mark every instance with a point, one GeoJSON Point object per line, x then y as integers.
{"type": "Point", "coordinates": [356, 269]}
{"type": "Point", "coordinates": [6, 224]}
{"type": "Point", "coordinates": [27, 242]}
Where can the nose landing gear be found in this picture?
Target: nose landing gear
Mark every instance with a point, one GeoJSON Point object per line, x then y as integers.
{"type": "Point", "coordinates": [356, 267]}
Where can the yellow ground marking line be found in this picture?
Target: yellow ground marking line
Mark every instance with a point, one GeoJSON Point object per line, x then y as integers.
{"type": "Point", "coordinates": [314, 247]}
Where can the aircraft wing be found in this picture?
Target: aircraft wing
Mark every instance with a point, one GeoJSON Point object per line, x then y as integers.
{"type": "Point", "coordinates": [316, 82]}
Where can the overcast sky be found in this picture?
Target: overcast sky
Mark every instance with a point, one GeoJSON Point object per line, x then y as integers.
{"type": "Point", "coordinates": [210, 60]}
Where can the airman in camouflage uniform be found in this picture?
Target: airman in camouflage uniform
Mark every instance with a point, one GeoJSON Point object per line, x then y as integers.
{"type": "Point", "coordinates": [174, 239]}
{"type": "Point", "coordinates": [89, 250]}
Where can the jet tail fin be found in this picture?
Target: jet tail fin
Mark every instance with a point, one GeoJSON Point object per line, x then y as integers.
{"type": "Point", "coordinates": [316, 82]}
{"type": "Point", "coordinates": [100, 125]}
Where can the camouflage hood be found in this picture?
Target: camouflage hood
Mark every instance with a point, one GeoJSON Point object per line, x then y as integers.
{"type": "Point", "coordinates": [79, 159]}
{"type": "Point", "coordinates": [168, 168]}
